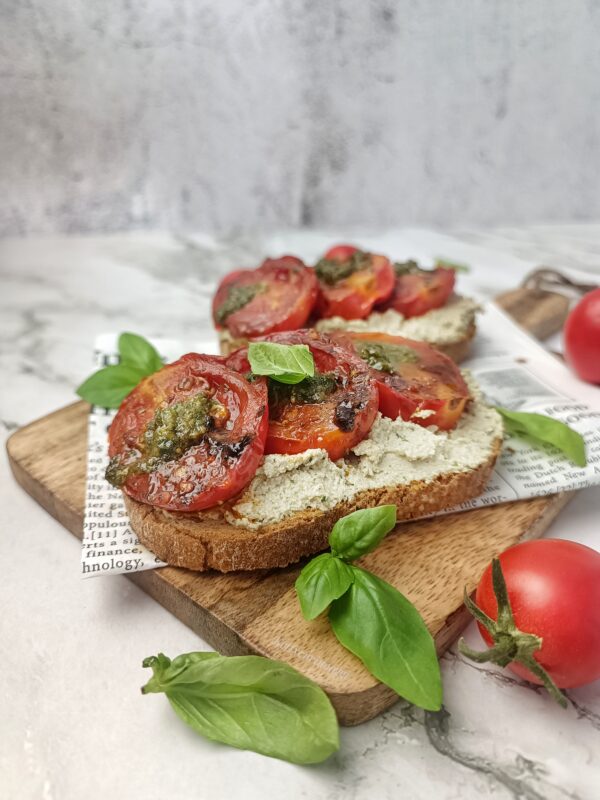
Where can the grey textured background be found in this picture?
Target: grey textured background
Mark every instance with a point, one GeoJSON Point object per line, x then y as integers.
{"type": "Point", "coordinates": [240, 114]}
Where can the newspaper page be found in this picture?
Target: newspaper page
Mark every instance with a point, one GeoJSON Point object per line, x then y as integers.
{"type": "Point", "coordinates": [109, 546]}
{"type": "Point", "coordinates": [512, 369]}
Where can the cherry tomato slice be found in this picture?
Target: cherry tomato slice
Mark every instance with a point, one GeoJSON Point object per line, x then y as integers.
{"type": "Point", "coordinates": [278, 296]}
{"type": "Point", "coordinates": [352, 282]}
{"type": "Point", "coordinates": [418, 291]}
{"type": "Point", "coordinates": [412, 377]}
{"type": "Point", "coordinates": [340, 252]}
{"type": "Point", "coordinates": [190, 436]}
{"type": "Point", "coordinates": [333, 411]}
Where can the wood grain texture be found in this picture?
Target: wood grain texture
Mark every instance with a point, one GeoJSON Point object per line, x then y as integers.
{"type": "Point", "coordinates": [541, 313]}
{"type": "Point", "coordinates": [430, 561]}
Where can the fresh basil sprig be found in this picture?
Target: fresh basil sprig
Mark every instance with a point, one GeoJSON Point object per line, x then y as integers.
{"type": "Point", "coordinates": [108, 387]}
{"type": "Point", "coordinates": [358, 533]}
{"type": "Point", "coordinates": [286, 363]}
{"type": "Point", "coordinates": [546, 430]}
{"type": "Point", "coordinates": [248, 702]}
{"type": "Point", "coordinates": [457, 266]}
{"type": "Point", "coordinates": [323, 580]}
{"type": "Point", "coordinates": [137, 351]}
{"type": "Point", "coordinates": [379, 625]}
{"type": "Point", "coordinates": [370, 617]}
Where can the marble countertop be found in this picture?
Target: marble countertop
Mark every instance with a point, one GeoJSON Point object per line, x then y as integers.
{"type": "Point", "coordinates": [73, 721]}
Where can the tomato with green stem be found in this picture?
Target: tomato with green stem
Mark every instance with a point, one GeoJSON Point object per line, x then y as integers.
{"type": "Point", "coordinates": [538, 607]}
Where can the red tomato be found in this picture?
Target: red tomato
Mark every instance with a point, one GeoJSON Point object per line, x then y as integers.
{"type": "Point", "coordinates": [352, 282]}
{"type": "Point", "coordinates": [333, 411]}
{"type": "Point", "coordinates": [411, 377]}
{"type": "Point", "coordinates": [582, 337]}
{"type": "Point", "coordinates": [340, 252]}
{"type": "Point", "coordinates": [190, 436]}
{"type": "Point", "coordinates": [278, 296]}
{"type": "Point", "coordinates": [418, 291]}
{"type": "Point", "coordinates": [554, 590]}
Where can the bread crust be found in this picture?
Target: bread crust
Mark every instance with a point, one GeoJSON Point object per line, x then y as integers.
{"type": "Point", "coordinates": [205, 540]}
{"type": "Point", "coordinates": [227, 344]}
{"type": "Point", "coordinates": [459, 349]}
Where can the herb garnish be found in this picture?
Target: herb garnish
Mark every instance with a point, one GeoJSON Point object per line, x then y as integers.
{"type": "Point", "coordinates": [248, 702]}
{"type": "Point", "coordinates": [457, 266]}
{"type": "Point", "coordinates": [541, 429]}
{"type": "Point", "coordinates": [331, 271]}
{"type": "Point", "coordinates": [109, 386]}
{"type": "Point", "coordinates": [286, 363]}
{"type": "Point", "coordinates": [370, 617]}
{"type": "Point", "coordinates": [411, 266]}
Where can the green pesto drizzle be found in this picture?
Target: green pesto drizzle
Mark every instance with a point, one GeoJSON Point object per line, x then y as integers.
{"type": "Point", "coordinates": [384, 357]}
{"type": "Point", "coordinates": [330, 271]}
{"type": "Point", "coordinates": [406, 267]}
{"type": "Point", "coordinates": [168, 435]}
{"type": "Point", "coordinates": [311, 390]}
{"type": "Point", "coordinates": [238, 297]}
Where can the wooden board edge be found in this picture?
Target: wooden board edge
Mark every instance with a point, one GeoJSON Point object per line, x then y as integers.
{"type": "Point", "coordinates": [66, 515]}
{"type": "Point", "coordinates": [69, 516]}
{"type": "Point", "coordinates": [352, 708]}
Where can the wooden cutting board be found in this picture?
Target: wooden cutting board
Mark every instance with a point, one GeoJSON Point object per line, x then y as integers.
{"type": "Point", "coordinates": [257, 612]}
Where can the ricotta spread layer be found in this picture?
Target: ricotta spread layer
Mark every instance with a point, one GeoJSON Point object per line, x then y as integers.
{"type": "Point", "coordinates": [394, 453]}
{"type": "Point", "coordinates": [444, 325]}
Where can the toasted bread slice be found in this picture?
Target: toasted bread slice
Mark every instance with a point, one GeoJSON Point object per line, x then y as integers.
{"type": "Point", "coordinates": [459, 349]}
{"type": "Point", "coordinates": [281, 516]}
{"type": "Point", "coordinates": [201, 542]}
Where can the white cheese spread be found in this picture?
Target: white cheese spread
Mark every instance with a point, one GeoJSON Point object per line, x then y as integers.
{"type": "Point", "coordinates": [444, 325]}
{"type": "Point", "coordinates": [394, 453]}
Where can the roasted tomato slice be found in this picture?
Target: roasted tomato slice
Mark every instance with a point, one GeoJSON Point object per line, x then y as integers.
{"type": "Point", "coordinates": [278, 296]}
{"type": "Point", "coordinates": [334, 410]}
{"type": "Point", "coordinates": [340, 252]}
{"type": "Point", "coordinates": [351, 282]}
{"type": "Point", "coordinates": [412, 378]}
{"type": "Point", "coordinates": [418, 291]}
{"type": "Point", "coordinates": [190, 436]}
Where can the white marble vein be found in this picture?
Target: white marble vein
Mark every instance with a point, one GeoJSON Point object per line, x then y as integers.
{"type": "Point", "coordinates": [73, 723]}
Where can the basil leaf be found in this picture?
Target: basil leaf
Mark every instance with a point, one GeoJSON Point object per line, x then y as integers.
{"type": "Point", "coordinates": [380, 626]}
{"type": "Point", "coordinates": [286, 363]}
{"type": "Point", "coordinates": [110, 386]}
{"type": "Point", "coordinates": [455, 265]}
{"type": "Point", "coordinates": [248, 702]}
{"type": "Point", "coordinates": [545, 429]}
{"type": "Point", "coordinates": [137, 352]}
{"type": "Point", "coordinates": [321, 581]}
{"type": "Point", "coordinates": [360, 532]}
